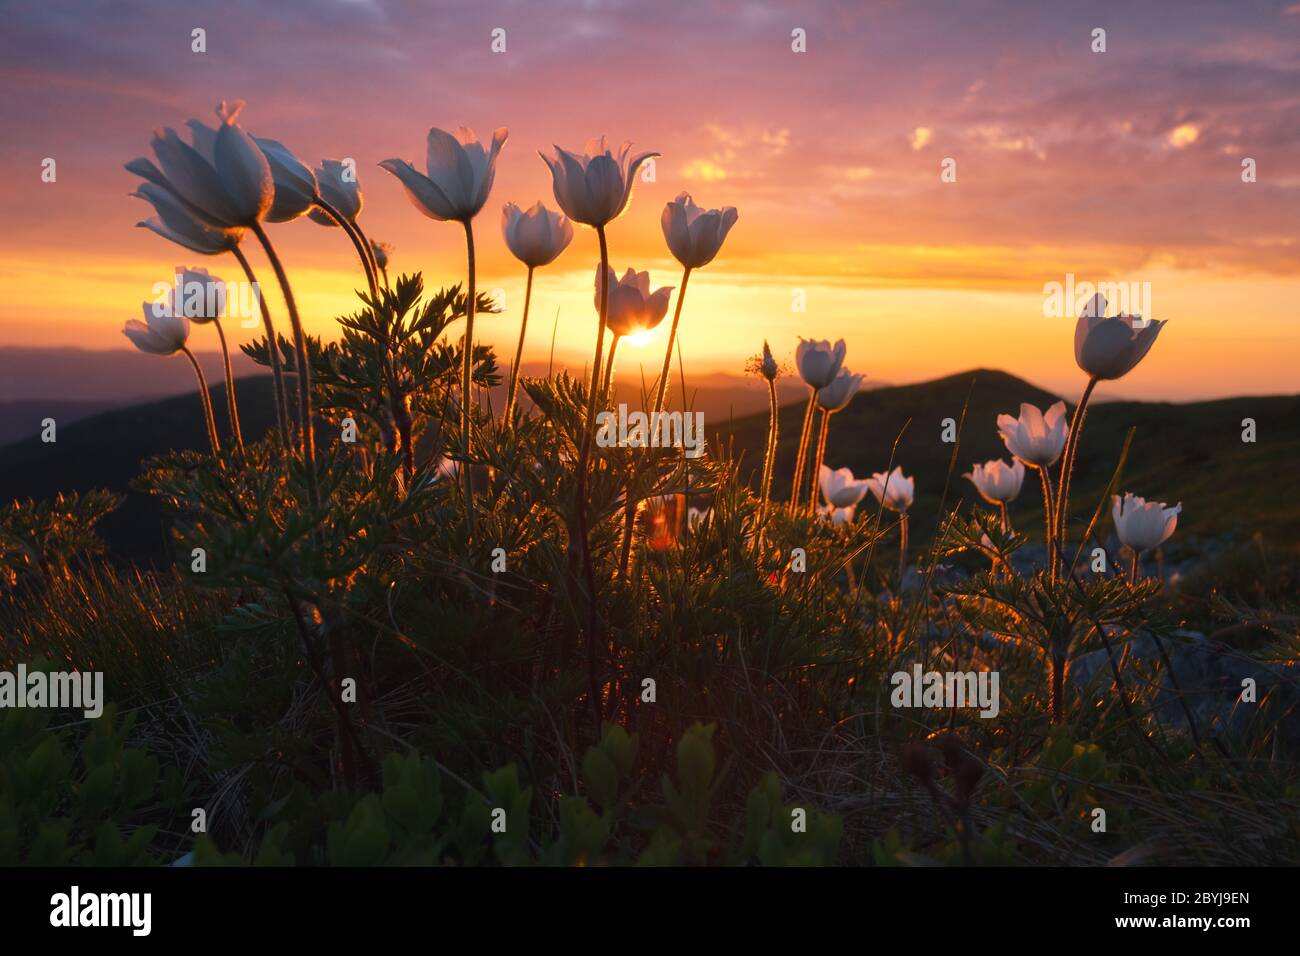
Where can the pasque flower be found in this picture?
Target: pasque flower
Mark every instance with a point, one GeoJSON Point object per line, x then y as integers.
{"type": "Point", "coordinates": [535, 237]}
{"type": "Point", "coordinates": [632, 306]}
{"type": "Point", "coordinates": [165, 333]}
{"type": "Point", "coordinates": [1035, 438]}
{"type": "Point", "coordinates": [223, 179]}
{"type": "Point", "coordinates": [819, 362]}
{"type": "Point", "coordinates": [997, 482]}
{"type": "Point", "coordinates": [893, 490]}
{"type": "Point", "coordinates": [837, 395]}
{"type": "Point", "coordinates": [840, 488]}
{"type": "Point", "coordinates": [1143, 525]}
{"type": "Point", "coordinates": [695, 235]}
{"type": "Point", "coordinates": [340, 188]}
{"type": "Point", "coordinates": [460, 177]}
{"type": "Point", "coordinates": [296, 191]}
{"type": "Point", "coordinates": [1109, 348]}
{"type": "Point", "coordinates": [833, 398]}
{"type": "Point", "coordinates": [161, 332]}
{"type": "Point", "coordinates": [593, 188]}
{"type": "Point", "coordinates": [176, 223]}
{"type": "Point", "coordinates": [460, 174]}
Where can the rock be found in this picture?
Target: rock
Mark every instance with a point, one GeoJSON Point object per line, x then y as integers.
{"type": "Point", "coordinates": [1208, 677]}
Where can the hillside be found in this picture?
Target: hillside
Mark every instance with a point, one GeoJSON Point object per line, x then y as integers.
{"type": "Point", "coordinates": [1181, 452]}
{"type": "Point", "coordinates": [1191, 453]}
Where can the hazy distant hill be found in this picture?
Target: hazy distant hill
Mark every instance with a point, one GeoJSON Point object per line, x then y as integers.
{"type": "Point", "coordinates": [1191, 453]}
{"type": "Point", "coordinates": [1181, 452]}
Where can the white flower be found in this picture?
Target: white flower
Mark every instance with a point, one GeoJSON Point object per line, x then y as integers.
{"type": "Point", "coordinates": [1143, 525]}
{"type": "Point", "coordinates": [893, 490]}
{"type": "Point", "coordinates": [996, 481]}
{"type": "Point", "coordinates": [594, 188]}
{"type": "Point", "coordinates": [819, 362]}
{"type": "Point", "coordinates": [161, 333]}
{"type": "Point", "coordinates": [339, 187]}
{"type": "Point", "coordinates": [460, 176]}
{"type": "Point", "coordinates": [175, 222]}
{"type": "Point", "coordinates": [837, 395]}
{"type": "Point", "coordinates": [694, 235]}
{"type": "Point", "coordinates": [295, 183]}
{"type": "Point", "coordinates": [223, 179]}
{"type": "Point", "coordinates": [1110, 348]}
{"type": "Point", "coordinates": [838, 516]}
{"type": "Point", "coordinates": [632, 306]}
{"type": "Point", "coordinates": [202, 295]}
{"type": "Point", "coordinates": [1035, 438]}
{"type": "Point", "coordinates": [536, 237]}
{"type": "Point", "coordinates": [840, 488]}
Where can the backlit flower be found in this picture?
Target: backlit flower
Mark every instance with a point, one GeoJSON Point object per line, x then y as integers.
{"type": "Point", "coordinates": [893, 490]}
{"type": "Point", "coordinates": [460, 174]}
{"type": "Point", "coordinates": [837, 395]}
{"type": "Point", "coordinates": [1110, 348]}
{"type": "Point", "coordinates": [632, 306]}
{"type": "Point", "coordinates": [161, 333]}
{"type": "Point", "coordinates": [819, 362]}
{"type": "Point", "coordinates": [338, 185]}
{"type": "Point", "coordinates": [695, 235]}
{"type": "Point", "coordinates": [1143, 525]}
{"type": "Point", "coordinates": [840, 488]}
{"type": "Point", "coordinates": [1035, 438]}
{"type": "Point", "coordinates": [536, 237]}
{"type": "Point", "coordinates": [594, 187]}
{"type": "Point", "coordinates": [996, 481]}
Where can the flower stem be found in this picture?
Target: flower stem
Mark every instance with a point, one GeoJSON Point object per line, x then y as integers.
{"type": "Point", "coordinates": [580, 493]}
{"type": "Point", "coordinates": [804, 436]}
{"type": "Point", "coordinates": [902, 549]}
{"type": "Point", "coordinates": [208, 420]}
{"type": "Point", "coordinates": [815, 484]}
{"type": "Point", "coordinates": [306, 428]}
{"type": "Point", "coordinates": [232, 408]}
{"type": "Point", "coordinates": [672, 337]}
{"type": "Point", "coordinates": [272, 348]}
{"type": "Point", "coordinates": [358, 242]}
{"type": "Point", "coordinates": [1067, 460]}
{"type": "Point", "coordinates": [1134, 570]}
{"type": "Point", "coordinates": [519, 349]}
{"type": "Point", "coordinates": [609, 368]}
{"type": "Point", "coordinates": [768, 463]}
{"type": "Point", "coordinates": [466, 377]}
{"type": "Point", "coordinates": [1049, 518]}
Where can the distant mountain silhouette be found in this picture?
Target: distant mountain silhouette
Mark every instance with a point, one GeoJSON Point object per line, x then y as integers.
{"type": "Point", "coordinates": [1181, 452]}
{"type": "Point", "coordinates": [1191, 453]}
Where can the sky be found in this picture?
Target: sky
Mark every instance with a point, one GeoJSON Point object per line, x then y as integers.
{"type": "Point", "coordinates": [1122, 166]}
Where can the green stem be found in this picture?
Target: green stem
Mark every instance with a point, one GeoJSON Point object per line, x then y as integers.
{"type": "Point", "coordinates": [805, 436]}
{"type": "Point", "coordinates": [607, 388]}
{"type": "Point", "coordinates": [466, 377]}
{"type": "Point", "coordinates": [1067, 460]}
{"type": "Point", "coordinates": [672, 337]}
{"type": "Point", "coordinates": [358, 242]}
{"type": "Point", "coordinates": [306, 428]}
{"type": "Point", "coordinates": [208, 419]}
{"type": "Point", "coordinates": [232, 408]}
{"type": "Point", "coordinates": [272, 348]}
{"type": "Point", "coordinates": [815, 485]}
{"type": "Point", "coordinates": [519, 349]}
{"type": "Point", "coordinates": [1048, 515]}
